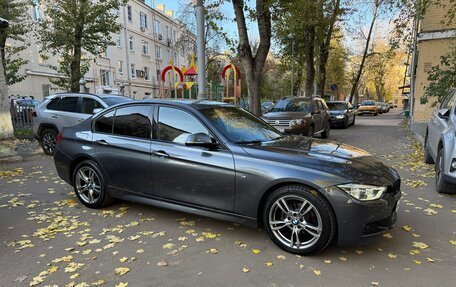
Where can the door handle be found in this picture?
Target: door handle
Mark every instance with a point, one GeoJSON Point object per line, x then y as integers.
{"type": "Point", "coordinates": [160, 153]}
{"type": "Point", "coordinates": [55, 116]}
{"type": "Point", "coordinates": [80, 120]}
{"type": "Point", "coordinates": [101, 142]}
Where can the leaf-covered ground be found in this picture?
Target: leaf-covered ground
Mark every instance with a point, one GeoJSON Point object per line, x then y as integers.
{"type": "Point", "coordinates": [49, 239]}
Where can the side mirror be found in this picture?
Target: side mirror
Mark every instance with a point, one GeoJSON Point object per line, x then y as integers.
{"type": "Point", "coordinates": [96, 111]}
{"type": "Point", "coordinates": [201, 140]}
{"type": "Point", "coordinates": [444, 114]}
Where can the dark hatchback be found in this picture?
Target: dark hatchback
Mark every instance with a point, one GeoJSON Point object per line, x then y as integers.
{"type": "Point", "coordinates": [217, 160]}
{"type": "Point", "coordinates": [342, 113]}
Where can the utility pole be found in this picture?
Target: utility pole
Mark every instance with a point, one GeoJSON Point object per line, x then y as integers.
{"type": "Point", "coordinates": [201, 50]}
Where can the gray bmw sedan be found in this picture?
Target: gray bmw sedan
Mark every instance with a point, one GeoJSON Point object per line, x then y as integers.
{"type": "Point", "coordinates": [217, 160]}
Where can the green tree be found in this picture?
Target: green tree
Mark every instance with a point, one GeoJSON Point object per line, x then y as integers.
{"type": "Point", "coordinates": [15, 11]}
{"type": "Point", "coordinates": [76, 31]}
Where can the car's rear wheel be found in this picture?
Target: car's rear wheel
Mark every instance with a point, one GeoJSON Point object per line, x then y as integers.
{"type": "Point", "coordinates": [327, 131]}
{"type": "Point", "coordinates": [48, 141]}
{"type": "Point", "coordinates": [299, 220]}
{"type": "Point", "coordinates": [90, 185]}
{"type": "Point", "coordinates": [441, 185]}
{"type": "Point", "coordinates": [427, 156]}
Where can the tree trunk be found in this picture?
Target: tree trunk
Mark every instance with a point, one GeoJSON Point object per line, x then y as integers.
{"type": "Point", "coordinates": [253, 64]}
{"type": "Point", "coordinates": [366, 49]}
{"type": "Point", "coordinates": [309, 47]}
{"type": "Point", "coordinates": [324, 50]}
{"type": "Point", "coordinates": [75, 66]}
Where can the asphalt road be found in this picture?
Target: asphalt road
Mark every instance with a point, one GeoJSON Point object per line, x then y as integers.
{"type": "Point", "coordinates": [47, 236]}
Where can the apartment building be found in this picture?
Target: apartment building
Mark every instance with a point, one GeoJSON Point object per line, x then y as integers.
{"type": "Point", "coordinates": [434, 40]}
{"type": "Point", "coordinates": [151, 39]}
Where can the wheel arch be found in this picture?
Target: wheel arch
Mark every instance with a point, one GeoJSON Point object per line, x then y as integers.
{"type": "Point", "coordinates": [77, 160]}
{"type": "Point", "coordinates": [44, 126]}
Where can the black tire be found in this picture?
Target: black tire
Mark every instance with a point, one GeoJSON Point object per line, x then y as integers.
{"type": "Point", "coordinates": [48, 140]}
{"type": "Point", "coordinates": [441, 185]}
{"type": "Point", "coordinates": [96, 195]}
{"type": "Point", "coordinates": [310, 131]}
{"type": "Point", "coordinates": [345, 123]}
{"type": "Point", "coordinates": [327, 131]}
{"type": "Point", "coordinates": [427, 156]}
{"type": "Point", "coordinates": [304, 210]}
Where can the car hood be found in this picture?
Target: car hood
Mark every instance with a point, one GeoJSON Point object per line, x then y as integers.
{"type": "Point", "coordinates": [286, 115]}
{"type": "Point", "coordinates": [345, 161]}
{"type": "Point", "coordinates": [337, 112]}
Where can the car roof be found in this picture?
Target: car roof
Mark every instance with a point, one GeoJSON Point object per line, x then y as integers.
{"type": "Point", "coordinates": [198, 104]}
{"type": "Point", "coordinates": [101, 96]}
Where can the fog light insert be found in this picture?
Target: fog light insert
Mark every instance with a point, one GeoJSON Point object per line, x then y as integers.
{"type": "Point", "coordinates": [453, 165]}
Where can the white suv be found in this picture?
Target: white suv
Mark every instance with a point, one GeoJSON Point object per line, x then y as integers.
{"type": "Point", "coordinates": [440, 143]}
{"type": "Point", "coordinates": [68, 109]}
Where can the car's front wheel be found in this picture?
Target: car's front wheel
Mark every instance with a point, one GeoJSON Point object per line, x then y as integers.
{"type": "Point", "coordinates": [441, 185]}
{"type": "Point", "coordinates": [299, 220]}
{"type": "Point", "coordinates": [325, 133]}
{"type": "Point", "coordinates": [90, 185]}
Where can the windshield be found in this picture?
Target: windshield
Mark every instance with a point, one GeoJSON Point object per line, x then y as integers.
{"type": "Point", "coordinates": [368, 103]}
{"type": "Point", "coordinates": [292, 105]}
{"type": "Point", "coordinates": [111, 101]}
{"type": "Point", "coordinates": [336, 106]}
{"type": "Point", "coordinates": [240, 126]}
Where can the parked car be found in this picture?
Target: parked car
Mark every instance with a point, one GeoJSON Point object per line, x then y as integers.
{"type": "Point", "coordinates": [266, 106]}
{"type": "Point", "coordinates": [342, 113]}
{"type": "Point", "coordinates": [215, 159]}
{"type": "Point", "coordinates": [67, 109]}
{"type": "Point", "coordinates": [303, 116]}
{"type": "Point", "coordinates": [391, 105]}
{"type": "Point", "coordinates": [368, 107]}
{"type": "Point", "coordinates": [385, 107]}
{"type": "Point", "coordinates": [440, 144]}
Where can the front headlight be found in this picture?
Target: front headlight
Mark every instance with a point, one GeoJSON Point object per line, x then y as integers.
{"type": "Point", "coordinates": [340, 117]}
{"type": "Point", "coordinates": [297, 122]}
{"type": "Point", "coordinates": [363, 192]}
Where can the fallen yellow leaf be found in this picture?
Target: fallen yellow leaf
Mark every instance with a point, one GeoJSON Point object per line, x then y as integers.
{"type": "Point", "coordinates": [317, 272]}
{"type": "Point", "coordinates": [245, 270]}
{"type": "Point", "coordinates": [420, 245]}
{"type": "Point", "coordinates": [121, 270]}
{"type": "Point", "coordinates": [269, 264]}
{"type": "Point", "coordinates": [256, 251]}
{"type": "Point", "coordinates": [392, 256]}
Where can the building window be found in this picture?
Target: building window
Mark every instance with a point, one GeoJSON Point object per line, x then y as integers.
{"type": "Point", "coordinates": [158, 52]}
{"type": "Point", "coordinates": [118, 40]}
{"type": "Point", "coordinates": [156, 27]}
{"type": "Point", "coordinates": [133, 71]}
{"type": "Point", "coordinates": [158, 75]}
{"type": "Point", "coordinates": [36, 10]}
{"type": "Point", "coordinates": [131, 44]}
{"type": "Point", "coordinates": [167, 32]}
{"type": "Point", "coordinates": [104, 78]}
{"type": "Point", "coordinates": [145, 47]}
{"type": "Point", "coordinates": [143, 21]}
{"type": "Point", "coordinates": [104, 52]}
{"type": "Point", "coordinates": [120, 65]}
{"type": "Point", "coordinates": [129, 13]}
{"type": "Point", "coordinates": [146, 74]}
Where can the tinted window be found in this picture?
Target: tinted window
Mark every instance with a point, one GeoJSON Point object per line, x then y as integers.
{"type": "Point", "coordinates": [111, 101]}
{"type": "Point", "coordinates": [292, 105]}
{"type": "Point", "coordinates": [368, 103]}
{"type": "Point", "coordinates": [133, 121]}
{"type": "Point", "coordinates": [176, 125]}
{"type": "Point", "coordinates": [104, 123]}
{"type": "Point", "coordinates": [53, 104]}
{"type": "Point", "coordinates": [68, 104]}
{"type": "Point", "coordinates": [88, 105]}
{"type": "Point", "coordinates": [336, 106]}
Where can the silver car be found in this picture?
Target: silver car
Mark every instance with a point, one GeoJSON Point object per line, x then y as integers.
{"type": "Point", "coordinates": [68, 109]}
{"type": "Point", "coordinates": [440, 144]}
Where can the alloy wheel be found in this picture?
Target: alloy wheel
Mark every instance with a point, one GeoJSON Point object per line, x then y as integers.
{"type": "Point", "coordinates": [49, 142]}
{"type": "Point", "coordinates": [88, 185]}
{"type": "Point", "coordinates": [295, 222]}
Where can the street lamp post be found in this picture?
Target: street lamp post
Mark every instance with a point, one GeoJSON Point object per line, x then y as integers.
{"type": "Point", "coordinates": [200, 48]}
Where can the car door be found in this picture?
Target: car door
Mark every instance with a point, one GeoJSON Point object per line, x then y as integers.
{"type": "Point", "coordinates": [351, 112]}
{"type": "Point", "coordinates": [436, 124]}
{"type": "Point", "coordinates": [122, 140]}
{"type": "Point", "coordinates": [192, 175]}
{"type": "Point", "coordinates": [316, 115]}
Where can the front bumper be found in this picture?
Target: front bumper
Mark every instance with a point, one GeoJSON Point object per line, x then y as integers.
{"type": "Point", "coordinates": [337, 122]}
{"type": "Point", "coordinates": [357, 220]}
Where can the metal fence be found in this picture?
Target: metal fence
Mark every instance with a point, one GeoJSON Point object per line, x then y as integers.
{"type": "Point", "coordinates": [21, 110]}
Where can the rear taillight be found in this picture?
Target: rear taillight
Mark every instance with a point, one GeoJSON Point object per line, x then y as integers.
{"type": "Point", "coordinates": [59, 138]}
